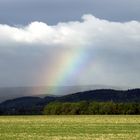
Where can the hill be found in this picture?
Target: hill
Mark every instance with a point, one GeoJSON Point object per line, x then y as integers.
{"type": "Point", "coordinates": [35, 105]}
{"type": "Point", "coordinates": [7, 93]}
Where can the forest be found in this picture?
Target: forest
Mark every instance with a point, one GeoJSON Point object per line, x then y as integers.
{"type": "Point", "coordinates": [92, 108]}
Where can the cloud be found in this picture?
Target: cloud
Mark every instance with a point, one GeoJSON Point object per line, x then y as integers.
{"type": "Point", "coordinates": [90, 31]}
{"type": "Point", "coordinates": [109, 52]}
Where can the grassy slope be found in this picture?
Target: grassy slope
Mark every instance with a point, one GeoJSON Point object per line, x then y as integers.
{"type": "Point", "coordinates": [70, 127]}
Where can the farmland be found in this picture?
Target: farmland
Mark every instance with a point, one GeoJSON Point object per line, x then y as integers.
{"type": "Point", "coordinates": [69, 127]}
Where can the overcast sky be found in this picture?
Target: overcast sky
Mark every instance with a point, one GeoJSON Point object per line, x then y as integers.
{"type": "Point", "coordinates": [54, 11]}
{"type": "Point", "coordinates": [70, 42]}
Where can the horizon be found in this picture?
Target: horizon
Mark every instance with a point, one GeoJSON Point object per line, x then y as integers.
{"type": "Point", "coordinates": [8, 93]}
{"type": "Point", "coordinates": [42, 93]}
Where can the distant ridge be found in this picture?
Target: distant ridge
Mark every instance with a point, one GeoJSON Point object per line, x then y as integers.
{"type": "Point", "coordinates": [35, 105]}
{"type": "Point", "coordinates": [7, 93]}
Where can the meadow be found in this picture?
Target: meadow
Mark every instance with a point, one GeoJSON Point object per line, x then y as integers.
{"type": "Point", "coordinates": [80, 127]}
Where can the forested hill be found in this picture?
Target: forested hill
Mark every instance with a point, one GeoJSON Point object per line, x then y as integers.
{"type": "Point", "coordinates": [104, 95]}
{"type": "Point", "coordinates": [35, 105]}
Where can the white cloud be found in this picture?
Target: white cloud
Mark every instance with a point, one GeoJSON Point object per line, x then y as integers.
{"type": "Point", "coordinates": [90, 30]}
{"type": "Point", "coordinates": [113, 50]}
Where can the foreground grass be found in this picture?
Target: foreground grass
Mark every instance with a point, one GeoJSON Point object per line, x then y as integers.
{"type": "Point", "coordinates": [70, 127]}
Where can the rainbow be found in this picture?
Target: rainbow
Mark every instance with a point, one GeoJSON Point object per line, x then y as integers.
{"type": "Point", "coordinates": [69, 64]}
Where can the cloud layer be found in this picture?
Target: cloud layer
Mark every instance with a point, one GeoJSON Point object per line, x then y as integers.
{"type": "Point", "coordinates": [112, 51]}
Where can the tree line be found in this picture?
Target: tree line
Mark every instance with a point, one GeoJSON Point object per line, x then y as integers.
{"type": "Point", "coordinates": [91, 108]}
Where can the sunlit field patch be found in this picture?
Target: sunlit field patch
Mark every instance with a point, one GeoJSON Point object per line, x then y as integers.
{"type": "Point", "coordinates": [70, 127]}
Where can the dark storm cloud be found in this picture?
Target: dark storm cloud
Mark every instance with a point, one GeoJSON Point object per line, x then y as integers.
{"type": "Point", "coordinates": [53, 11]}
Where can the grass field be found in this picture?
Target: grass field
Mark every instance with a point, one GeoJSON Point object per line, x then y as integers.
{"type": "Point", "coordinates": [70, 127]}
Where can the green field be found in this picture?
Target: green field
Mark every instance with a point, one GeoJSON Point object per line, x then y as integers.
{"type": "Point", "coordinates": [70, 127]}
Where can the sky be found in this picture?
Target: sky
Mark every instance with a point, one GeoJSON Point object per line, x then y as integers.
{"type": "Point", "coordinates": [69, 42]}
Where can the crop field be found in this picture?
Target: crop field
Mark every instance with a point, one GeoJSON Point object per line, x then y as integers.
{"type": "Point", "coordinates": [70, 127]}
